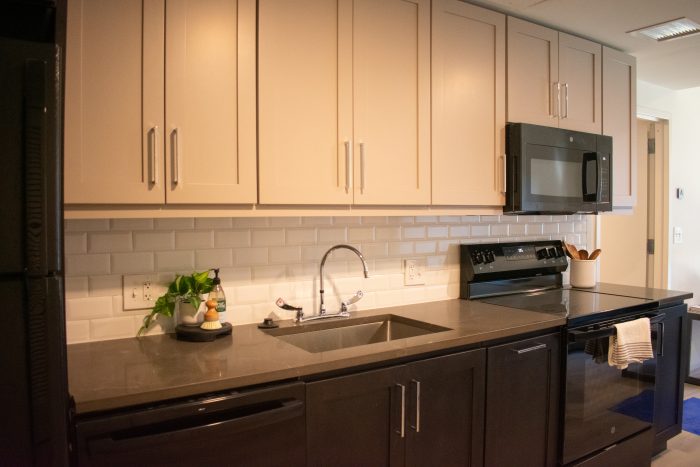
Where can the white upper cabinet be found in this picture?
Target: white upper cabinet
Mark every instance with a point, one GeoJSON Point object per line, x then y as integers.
{"type": "Point", "coordinates": [468, 104]}
{"type": "Point", "coordinates": [210, 101]}
{"type": "Point", "coordinates": [114, 102]}
{"type": "Point", "coordinates": [160, 102]}
{"type": "Point", "coordinates": [620, 122]}
{"type": "Point", "coordinates": [302, 155]}
{"type": "Point", "coordinates": [391, 101]}
{"type": "Point", "coordinates": [344, 102]}
{"type": "Point", "coordinates": [554, 79]}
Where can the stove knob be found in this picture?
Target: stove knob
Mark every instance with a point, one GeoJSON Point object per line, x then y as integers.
{"type": "Point", "coordinates": [542, 254]}
{"type": "Point", "coordinates": [478, 258]}
{"type": "Point", "coordinates": [552, 252]}
{"type": "Point", "coordinates": [560, 252]}
{"type": "Point", "coordinates": [490, 257]}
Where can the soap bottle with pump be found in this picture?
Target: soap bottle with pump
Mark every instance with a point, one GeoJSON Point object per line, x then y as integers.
{"type": "Point", "coordinates": [217, 293]}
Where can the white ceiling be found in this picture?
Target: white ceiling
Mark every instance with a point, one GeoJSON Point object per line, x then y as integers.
{"type": "Point", "coordinates": [674, 64]}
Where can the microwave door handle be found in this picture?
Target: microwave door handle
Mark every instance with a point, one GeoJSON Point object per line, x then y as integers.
{"type": "Point", "coordinates": [593, 197]}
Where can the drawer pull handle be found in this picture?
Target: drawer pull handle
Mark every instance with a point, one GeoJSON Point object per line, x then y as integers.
{"type": "Point", "coordinates": [530, 349]}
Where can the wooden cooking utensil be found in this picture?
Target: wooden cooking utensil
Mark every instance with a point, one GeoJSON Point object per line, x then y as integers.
{"type": "Point", "coordinates": [583, 254]}
{"type": "Point", "coordinates": [571, 250]}
{"type": "Point", "coordinates": [595, 253]}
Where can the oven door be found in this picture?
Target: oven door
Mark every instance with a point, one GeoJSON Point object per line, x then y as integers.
{"type": "Point", "coordinates": [603, 404]}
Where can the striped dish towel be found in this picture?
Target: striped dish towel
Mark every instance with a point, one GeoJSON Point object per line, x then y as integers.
{"type": "Point", "coordinates": [631, 344]}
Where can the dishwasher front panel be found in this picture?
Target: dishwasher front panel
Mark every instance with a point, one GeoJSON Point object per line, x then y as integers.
{"type": "Point", "coordinates": [261, 427]}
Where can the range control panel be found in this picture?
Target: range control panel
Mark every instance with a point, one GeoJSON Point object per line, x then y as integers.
{"type": "Point", "coordinates": [489, 261]}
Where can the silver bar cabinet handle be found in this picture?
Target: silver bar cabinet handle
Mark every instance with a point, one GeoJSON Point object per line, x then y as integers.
{"type": "Point", "coordinates": [417, 427]}
{"type": "Point", "coordinates": [176, 157]}
{"type": "Point", "coordinates": [348, 166]}
{"type": "Point", "coordinates": [530, 349]}
{"type": "Point", "coordinates": [558, 99]}
{"type": "Point", "coordinates": [154, 149]}
{"type": "Point", "coordinates": [553, 110]}
{"type": "Point", "coordinates": [362, 167]}
{"type": "Point", "coordinates": [402, 431]}
{"type": "Point", "coordinates": [566, 100]}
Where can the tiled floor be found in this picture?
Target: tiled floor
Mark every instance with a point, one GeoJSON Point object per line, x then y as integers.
{"type": "Point", "coordinates": [684, 449]}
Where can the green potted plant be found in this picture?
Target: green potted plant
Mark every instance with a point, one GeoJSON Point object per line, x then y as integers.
{"type": "Point", "coordinates": [185, 290]}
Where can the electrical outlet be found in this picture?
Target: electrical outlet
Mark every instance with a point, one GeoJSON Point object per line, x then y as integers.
{"type": "Point", "coordinates": [414, 271]}
{"type": "Point", "coordinates": [141, 291]}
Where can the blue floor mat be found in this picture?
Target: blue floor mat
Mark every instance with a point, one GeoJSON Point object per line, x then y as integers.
{"type": "Point", "coordinates": [691, 415]}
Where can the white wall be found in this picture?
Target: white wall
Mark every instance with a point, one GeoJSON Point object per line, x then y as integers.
{"type": "Point", "coordinates": [682, 108]}
{"type": "Point", "coordinates": [265, 258]}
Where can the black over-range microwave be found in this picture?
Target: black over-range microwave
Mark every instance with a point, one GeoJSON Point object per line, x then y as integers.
{"type": "Point", "coordinates": [556, 171]}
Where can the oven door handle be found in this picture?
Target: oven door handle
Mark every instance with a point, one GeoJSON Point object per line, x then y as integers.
{"type": "Point", "coordinates": [579, 336]}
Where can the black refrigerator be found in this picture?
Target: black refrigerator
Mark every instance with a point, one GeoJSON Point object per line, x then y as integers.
{"type": "Point", "coordinates": [33, 385]}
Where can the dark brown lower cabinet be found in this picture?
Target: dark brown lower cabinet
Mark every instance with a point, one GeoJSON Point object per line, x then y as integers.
{"type": "Point", "coordinates": [424, 413]}
{"type": "Point", "coordinates": [670, 373]}
{"type": "Point", "coordinates": [522, 403]}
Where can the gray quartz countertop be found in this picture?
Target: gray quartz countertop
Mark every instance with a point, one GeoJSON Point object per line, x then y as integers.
{"type": "Point", "coordinates": [662, 296]}
{"type": "Point", "coordinates": [120, 373]}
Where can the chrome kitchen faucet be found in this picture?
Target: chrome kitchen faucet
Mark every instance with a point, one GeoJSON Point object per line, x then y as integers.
{"type": "Point", "coordinates": [343, 313]}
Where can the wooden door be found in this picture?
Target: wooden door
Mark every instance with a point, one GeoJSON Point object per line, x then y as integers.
{"type": "Point", "coordinates": [623, 238]}
{"type": "Point", "coordinates": [580, 80]}
{"type": "Point", "coordinates": [533, 74]}
{"type": "Point", "coordinates": [114, 102]}
{"type": "Point", "coordinates": [210, 102]}
{"type": "Point", "coordinates": [619, 121]}
{"type": "Point", "coordinates": [523, 417]}
{"type": "Point", "coordinates": [356, 419]}
{"type": "Point", "coordinates": [305, 101]}
{"type": "Point", "coordinates": [446, 411]}
{"type": "Point", "coordinates": [391, 89]}
{"type": "Point", "coordinates": [468, 104]}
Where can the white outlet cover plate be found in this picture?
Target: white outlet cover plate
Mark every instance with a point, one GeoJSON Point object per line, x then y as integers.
{"type": "Point", "coordinates": [135, 294]}
{"type": "Point", "coordinates": [414, 271]}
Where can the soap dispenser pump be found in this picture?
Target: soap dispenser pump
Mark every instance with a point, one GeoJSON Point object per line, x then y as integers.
{"type": "Point", "coordinates": [217, 293]}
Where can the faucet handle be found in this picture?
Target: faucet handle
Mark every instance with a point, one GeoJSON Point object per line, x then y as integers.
{"type": "Point", "coordinates": [286, 306]}
{"type": "Point", "coordinates": [355, 298]}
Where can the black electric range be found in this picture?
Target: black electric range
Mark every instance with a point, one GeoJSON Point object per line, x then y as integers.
{"type": "Point", "coordinates": [528, 276]}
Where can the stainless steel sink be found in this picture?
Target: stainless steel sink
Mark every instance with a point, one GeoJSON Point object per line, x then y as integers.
{"type": "Point", "coordinates": [333, 335]}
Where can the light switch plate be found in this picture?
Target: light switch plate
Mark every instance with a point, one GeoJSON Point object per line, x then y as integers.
{"type": "Point", "coordinates": [414, 271]}
{"type": "Point", "coordinates": [677, 235]}
{"type": "Point", "coordinates": [141, 291]}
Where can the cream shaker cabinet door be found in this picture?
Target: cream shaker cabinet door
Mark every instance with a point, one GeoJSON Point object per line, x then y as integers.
{"type": "Point", "coordinates": [579, 81]}
{"type": "Point", "coordinates": [619, 121]}
{"type": "Point", "coordinates": [468, 104]}
{"type": "Point", "coordinates": [391, 96]}
{"type": "Point", "coordinates": [210, 110]}
{"type": "Point", "coordinates": [533, 73]}
{"type": "Point", "coordinates": [305, 101]}
{"type": "Point", "coordinates": [114, 102]}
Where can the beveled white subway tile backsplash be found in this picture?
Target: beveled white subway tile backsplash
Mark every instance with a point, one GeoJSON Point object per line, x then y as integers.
{"type": "Point", "coordinates": [265, 258]}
